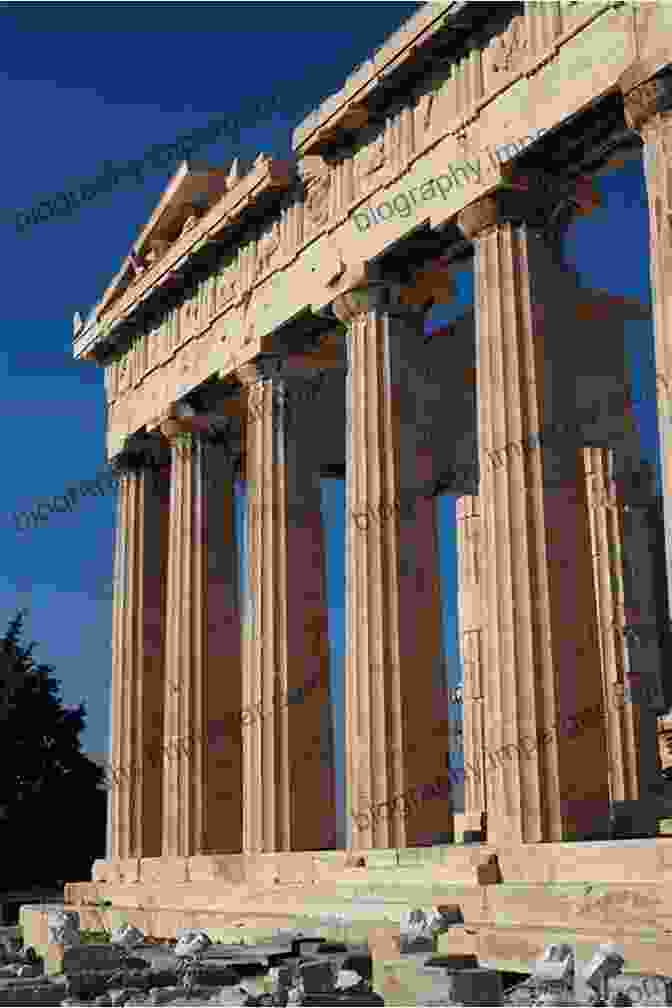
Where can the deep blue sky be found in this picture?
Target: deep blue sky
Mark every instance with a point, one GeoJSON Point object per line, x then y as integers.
{"type": "Point", "coordinates": [84, 83]}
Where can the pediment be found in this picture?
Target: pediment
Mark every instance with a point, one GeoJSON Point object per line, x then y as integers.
{"type": "Point", "coordinates": [191, 191]}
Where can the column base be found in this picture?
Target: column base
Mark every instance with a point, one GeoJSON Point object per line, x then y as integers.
{"type": "Point", "coordinates": [470, 827]}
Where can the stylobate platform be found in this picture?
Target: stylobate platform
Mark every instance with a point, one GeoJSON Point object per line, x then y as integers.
{"type": "Point", "coordinates": [583, 894]}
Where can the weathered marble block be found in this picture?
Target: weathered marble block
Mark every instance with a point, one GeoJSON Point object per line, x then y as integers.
{"type": "Point", "coordinates": [317, 977]}
{"type": "Point", "coordinates": [470, 987]}
{"type": "Point", "coordinates": [92, 957]}
{"type": "Point", "coordinates": [191, 943]}
{"type": "Point", "coordinates": [127, 936]}
{"type": "Point", "coordinates": [63, 927]}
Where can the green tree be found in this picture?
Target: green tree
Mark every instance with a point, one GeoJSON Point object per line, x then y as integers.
{"type": "Point", "coordinates": [52, 813]}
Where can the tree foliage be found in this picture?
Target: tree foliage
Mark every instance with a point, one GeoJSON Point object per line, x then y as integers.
{"type": "Point", "coordinates": [52, 813]}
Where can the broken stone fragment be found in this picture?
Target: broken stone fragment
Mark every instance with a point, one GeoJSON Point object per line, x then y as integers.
{"type": "Point", "coordinates": [165, 995]}
{"type": "Point", "coordinates": [557, 965]}
{"type": "Point", "coordinates": [127, 936]}
{"type": "Point", "coordinates": [63, 927]}
{"type": "Point", "coordinates": [346, 979]}
{"type": "Point", "coordinates": [191, 943]}
{"type": "Point", "coordinates": [232, 996]}
{"type": "Point", "coordinates": [488, 872]}
{"type": "Point", "coordinates": [607, 962]}
{"type": "Point", "coordinates": [419, 928]}
{"type": "Point", "coordinates": [316, 977]}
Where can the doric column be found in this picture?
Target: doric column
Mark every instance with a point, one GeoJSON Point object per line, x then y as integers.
{"type": "Point", "coordinates": [606, 525]}
{"type": "Point", "coordinates": [138, 627]}
{"type": "Point", "coordinates": [623, 544]}
{"type": "Point", "coordinates": [288, 771]}
{"type": "Point", "coordinates": [471, 621]}
{"type": "Point", "coordinates": [648, 109]}
{"type": "Point", "coordinates": [396, 703]}
{"type": "Point", "coordinates": [202, 730]}
{"type": "Point", "coordinates": [543, 664]}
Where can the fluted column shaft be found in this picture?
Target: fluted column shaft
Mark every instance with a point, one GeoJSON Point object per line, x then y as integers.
{"type": "Point", "coordinates": [543, 664]}
{"type": "Point", "coordinates": [287, 738]}
{"type": "Point", "coordinates": [396, 703]}
{"type": "Point", "coordinates": [606, 528]}
{"type": "Point", "coordinates": [471, 621]}
{"type": "Point", "coordinates": [648, 109]}
{"type": "Point", "coordinates": [202, 776]}
{"type": "Point", "coordinates": [138, 627]}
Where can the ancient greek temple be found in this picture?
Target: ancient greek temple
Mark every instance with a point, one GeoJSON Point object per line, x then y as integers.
{"type": "Point", "coordinates": [270, 328]}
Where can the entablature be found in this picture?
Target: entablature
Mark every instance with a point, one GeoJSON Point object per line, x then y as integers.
{"type": "Point", "coordinates": [273, 248]}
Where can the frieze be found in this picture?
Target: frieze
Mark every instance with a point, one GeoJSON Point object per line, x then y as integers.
{"type": "Point", "coordinates": [505, 57]}
{"type": "Point", "coordinates": [227, 283]}
{"type": "Point", "coordinates": [315, 175]}
{"type": "Point", "coordinates": [266, 174]}
{"type": "Point", "coordinates": [268, 246]}
{"type": "Point", "coordinates": [368, 162]}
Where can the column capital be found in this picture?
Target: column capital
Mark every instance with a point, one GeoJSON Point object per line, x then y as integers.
{"type": "Point", "coordinates": [259, 370]}
{"type": "Point", "coordinates": [359, 290]}
{"type": "Point", "coordinates": [140, 452]}
{"type": "Point", "coordinates": [517, 204]}
{"type": "Point", "coordinates": [175, 428]}
{"type": "Point", "coordinates": [647, 98]}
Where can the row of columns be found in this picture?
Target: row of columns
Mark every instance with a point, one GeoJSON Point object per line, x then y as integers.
{"type": "Point", "coordinates": [543, 587]}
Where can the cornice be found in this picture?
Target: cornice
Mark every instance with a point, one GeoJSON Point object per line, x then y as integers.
{"type": "Point", "coordinates": [267, 174]}
{"type": "Point", "coordinates": [343, 110]}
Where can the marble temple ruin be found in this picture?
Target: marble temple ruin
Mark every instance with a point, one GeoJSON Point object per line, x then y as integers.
{"type": "Point", "coordinates": [269, 329]}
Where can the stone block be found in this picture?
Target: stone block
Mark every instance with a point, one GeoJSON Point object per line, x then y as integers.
{"type": "Point", "coordinates": [317, 977]}
{"type": "Point", "coordinates": [453, 962]}
{"type": "Point", "coordinates": [215, 975]}
{"type": "Point", "coordinates": [308, 946]}
{"type": "Point", "coordinates": [557, 966]}
{"type": "Point", "coordinates": [53, 959]}
{"type": "Point", "coordinates": [457, 940]}
{"type": "Point", "coordinates": [169, 995]}
{"type": "Point", "coordinates": [282, 977]}
{"type": "Point", "coordinates": [357, 998]}
{"type": "Point", "coordinates": [32, 992]}
{"type": "Point", "coordinates": [10, 938]}
{"type": "Point", "coordinates": [92, 957]}
{"type": "Point", "coordinates": [469, 828]}
{"type": "Point", "coordinates": [63, 927]}
{"type": "Point", "coordinates": [403, 980]}
{"type": "Point", "coordinates": [33, 920]}
{"type": "Point", "coordinates": [474, 987]}
{"type": "Point", "coordinates": [89, 983]}
{"type": "Point", "coordinates": [641, 988]}
{"type": "Point", "coordinates": [384, 942]}
{"type": "Point", "coordinates": [419, 928]}
{"type": "Point", "coordinates": [127, 936]}
{"type": "Point", "coordinates": [191, 943]}
{"type": "Point", "coordinates": [488, 871]}
{"type": "Point", "coordinates": [360, 962]}
{"type": "Point", "coordinates": [607, 962]}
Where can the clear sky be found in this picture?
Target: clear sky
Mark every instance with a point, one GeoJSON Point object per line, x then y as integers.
{"type": "Point", "coordinates": [87, 83]}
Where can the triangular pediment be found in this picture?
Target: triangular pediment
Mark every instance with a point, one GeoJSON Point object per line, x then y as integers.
{"type": "Point", "coordinates": [194, 188]}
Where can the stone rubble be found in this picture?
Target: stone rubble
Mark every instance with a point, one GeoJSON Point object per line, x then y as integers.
{"type": "Point", "coordinates": [418, 967]}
